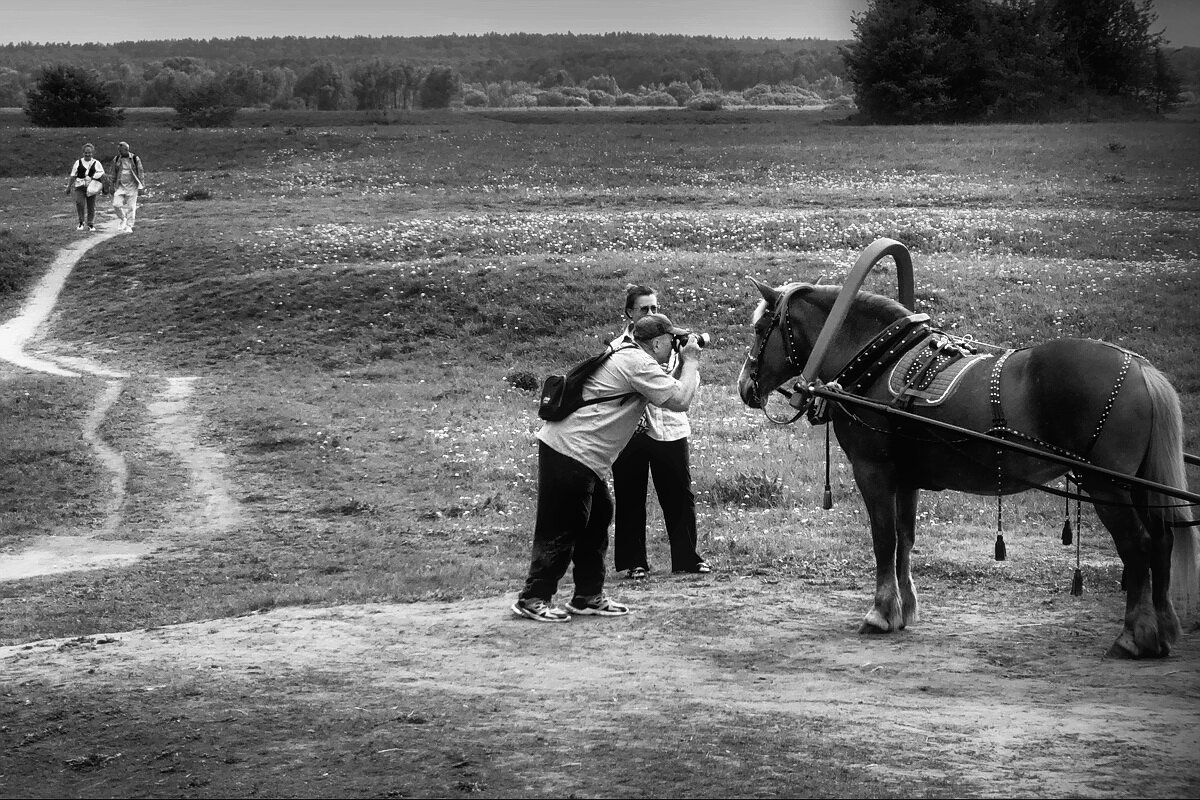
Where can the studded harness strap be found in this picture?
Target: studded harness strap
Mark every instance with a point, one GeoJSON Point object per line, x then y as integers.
{"type": "Point", "coordinates": [1001, 429]}
{"type": "Point", "coordinates": [870, 362]}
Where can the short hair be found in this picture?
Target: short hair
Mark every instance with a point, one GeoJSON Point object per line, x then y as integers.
{"type": "Point", "coordinates": [635, 290]}
{"type": "Point", "coordinates": [89, 144]}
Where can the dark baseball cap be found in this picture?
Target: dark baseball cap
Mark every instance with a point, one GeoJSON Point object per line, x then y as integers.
{"type": "Point", "coordinates": [652, 325]}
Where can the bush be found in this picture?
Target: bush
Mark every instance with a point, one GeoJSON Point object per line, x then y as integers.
{"type": "Point", "coordinates": [206, 106]}
{"type": "Point", "coordinates": [747, 489]}
{"type": "Point", "coordinates": [71, 97]}
{"type": "Point", "coordinates": [708, 101]}
{"type": "Point", "coordinates": [843, 103]}
{"type": "Point", "coordinates": [657, 99]}
{"type": "Point", "coordinates": [625, 100]}
{"type": "Point", "coordinates": [680, 91]}
{"type": "Point", "coordinates": [475, 99]}
{"type": "Point", "coordinates": [598, 97]}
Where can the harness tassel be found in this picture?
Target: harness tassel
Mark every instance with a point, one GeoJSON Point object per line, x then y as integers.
{"type": "Point", "coordinates": [1001, 550]}
{"type": "Point", "coordinates": [1077, 583]}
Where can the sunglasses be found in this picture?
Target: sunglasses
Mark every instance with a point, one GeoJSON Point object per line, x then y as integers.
{"type": "Point", "coordinates": [648, 309]}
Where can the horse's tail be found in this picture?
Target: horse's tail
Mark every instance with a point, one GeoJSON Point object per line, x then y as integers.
{"type": "Point", "coordinates": [1163, 463]}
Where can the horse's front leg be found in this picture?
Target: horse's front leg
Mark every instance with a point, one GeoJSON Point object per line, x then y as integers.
{"type": "Point", "coordinates": [906, 536]}
{"type": "Point", "coordinates": [879, 493]}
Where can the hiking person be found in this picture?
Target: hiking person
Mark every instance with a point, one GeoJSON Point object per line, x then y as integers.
{"type": "Point", "coordinates": [85, 170]}
{"type": "Point", "coordinates": [128, 183]}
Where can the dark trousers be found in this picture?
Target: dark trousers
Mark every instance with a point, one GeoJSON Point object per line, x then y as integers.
{"type": "Point", "coordinates": [85, 206]}
{"type": "Point", "coordinates": [573, 514]}
{"type": "Point", "coordinates": [668, 463]}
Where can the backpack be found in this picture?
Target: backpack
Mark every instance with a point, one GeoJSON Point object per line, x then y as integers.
{"type": "Point", "coordinates": [562, 395]}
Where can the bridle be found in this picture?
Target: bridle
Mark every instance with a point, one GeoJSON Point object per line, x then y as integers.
{"type": "Point", "coordinates": [779, 317]}
{"type": "Point", "coordinates": [879, 353]}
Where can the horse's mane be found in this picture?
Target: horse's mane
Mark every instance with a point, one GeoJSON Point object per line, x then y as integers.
{"type": "Point", "coordinates": [875, 306]}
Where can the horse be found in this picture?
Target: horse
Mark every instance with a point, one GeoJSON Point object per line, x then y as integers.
{"type": "Point", "coordinates": [1083, 398]}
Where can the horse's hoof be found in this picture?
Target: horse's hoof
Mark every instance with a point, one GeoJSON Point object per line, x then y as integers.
{"type": "Point", "coordinates": [1117, 651]}
{"type": "Point", "coordinates": [875, 622]}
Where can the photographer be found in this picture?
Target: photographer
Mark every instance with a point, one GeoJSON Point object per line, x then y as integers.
{"type": "Point", "coordinates": [575, 456]}
{"type": "Point", "coordinates": [659, 448]}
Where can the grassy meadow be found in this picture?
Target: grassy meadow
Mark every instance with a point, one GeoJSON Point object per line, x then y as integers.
{"type": "Point", "coordinates": [370, 303]}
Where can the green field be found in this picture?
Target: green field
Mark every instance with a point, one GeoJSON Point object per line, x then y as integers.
{"type": "Point", "coordinates": [368, 303]}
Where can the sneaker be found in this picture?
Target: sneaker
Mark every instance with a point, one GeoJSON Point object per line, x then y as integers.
{"type": "Point", "coordinates": [702, 568]}
{"type": "Point", "coordinates": [539, 609]}
{"type": "Point", "coordinates": [79, 227]}
{"type": "Point", "coordinates": [597, 605]}
{"type": "Point", "coordinates": [637, 573]}
{"type": "Point", "coordinates": [92, 228]}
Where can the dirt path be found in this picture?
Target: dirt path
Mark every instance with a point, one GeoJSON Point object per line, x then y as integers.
{"type": "Point", "coordinates": [730, 685]}
{"type": "Point", "coordinates": [22, 345]}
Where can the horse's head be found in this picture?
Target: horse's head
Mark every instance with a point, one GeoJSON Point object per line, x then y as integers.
{"type": "Point", "coordinates": [779, 348]}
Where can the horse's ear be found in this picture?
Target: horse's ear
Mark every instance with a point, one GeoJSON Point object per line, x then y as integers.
{"type": "Point", "coordinates": [768, 293]}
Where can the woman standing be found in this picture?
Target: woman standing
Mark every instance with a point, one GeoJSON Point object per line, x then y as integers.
{"type": "Point", "coordinates": [659, 448]}
{"type": "Point", "coordinates": [83, 171]}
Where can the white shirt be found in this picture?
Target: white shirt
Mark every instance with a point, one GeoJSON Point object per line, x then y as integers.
{"type": "Point", "coordinates": [595, 435]}
{"type": "Point", "coordinates": [94, 169]}
{"type": "Point", "coordinates": [661, 424]}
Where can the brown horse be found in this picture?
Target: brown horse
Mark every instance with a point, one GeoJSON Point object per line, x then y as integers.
{"type": "Point", "coordinates": [1080, 398]}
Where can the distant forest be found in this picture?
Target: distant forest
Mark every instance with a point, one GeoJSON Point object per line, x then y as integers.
{"type": "Point", "coordinates": [335, 72]}
{"type": "Point", "coordinates": [520, 70]}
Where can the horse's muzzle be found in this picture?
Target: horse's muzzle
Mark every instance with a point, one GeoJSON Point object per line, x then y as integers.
{"type": "Point", "coordinates": [747, 389]}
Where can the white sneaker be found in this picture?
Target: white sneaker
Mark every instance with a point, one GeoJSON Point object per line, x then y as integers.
{"type": "Point", "coordinates": [79, 227]}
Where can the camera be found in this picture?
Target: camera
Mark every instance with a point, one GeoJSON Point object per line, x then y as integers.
{"type": "Point", "coordinates": [702, 339]}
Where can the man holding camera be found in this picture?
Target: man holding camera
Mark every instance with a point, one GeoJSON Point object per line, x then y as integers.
{"type": "Point", "coordinates": [658, 448]}
{"type": "Point", "coordinates": [575, 456]}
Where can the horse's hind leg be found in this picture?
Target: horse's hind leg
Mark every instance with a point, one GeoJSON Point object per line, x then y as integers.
{"type": "Point", "coordinates": [906, 536]}
{"type": "Point", "coordinates": [1161, 543]}
{"type": "Point", "coordinates": [1147, 578]}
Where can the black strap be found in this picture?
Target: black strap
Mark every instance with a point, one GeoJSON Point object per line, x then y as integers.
{"type": "Point", "coordinates": [621, 397]}
{"type": "Point", "coordinates": [884, 350]}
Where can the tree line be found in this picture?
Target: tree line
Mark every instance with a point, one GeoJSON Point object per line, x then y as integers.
{"type": "Point", "coordinates": [389, 71]}
{"type": "Point", "coordinates": [909, 61]}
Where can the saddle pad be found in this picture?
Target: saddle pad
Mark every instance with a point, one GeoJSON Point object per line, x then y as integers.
{"type": "Point", "coordinates": [948, 370]}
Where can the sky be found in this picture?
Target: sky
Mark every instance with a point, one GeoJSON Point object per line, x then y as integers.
{"type": "Point", "coordinates": [78, 21]}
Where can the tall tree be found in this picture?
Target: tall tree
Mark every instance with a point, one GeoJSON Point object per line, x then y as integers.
{"type": "Point", "coordinates": [1108, 43]}
{"type": "Point", "coordinates": [323, 86]}
{"type": "Point", "coordinates": [919, 60]}
{"type": "Point", "coordinates": [439, 87]}
{"type": "Point", "coordinates": [70, 97]}
{"type": "Point", "coordinates": [958, 60]}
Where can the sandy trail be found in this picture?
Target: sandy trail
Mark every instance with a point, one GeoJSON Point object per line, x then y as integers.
{"type": "Point", "coordinates": [176, 430]}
